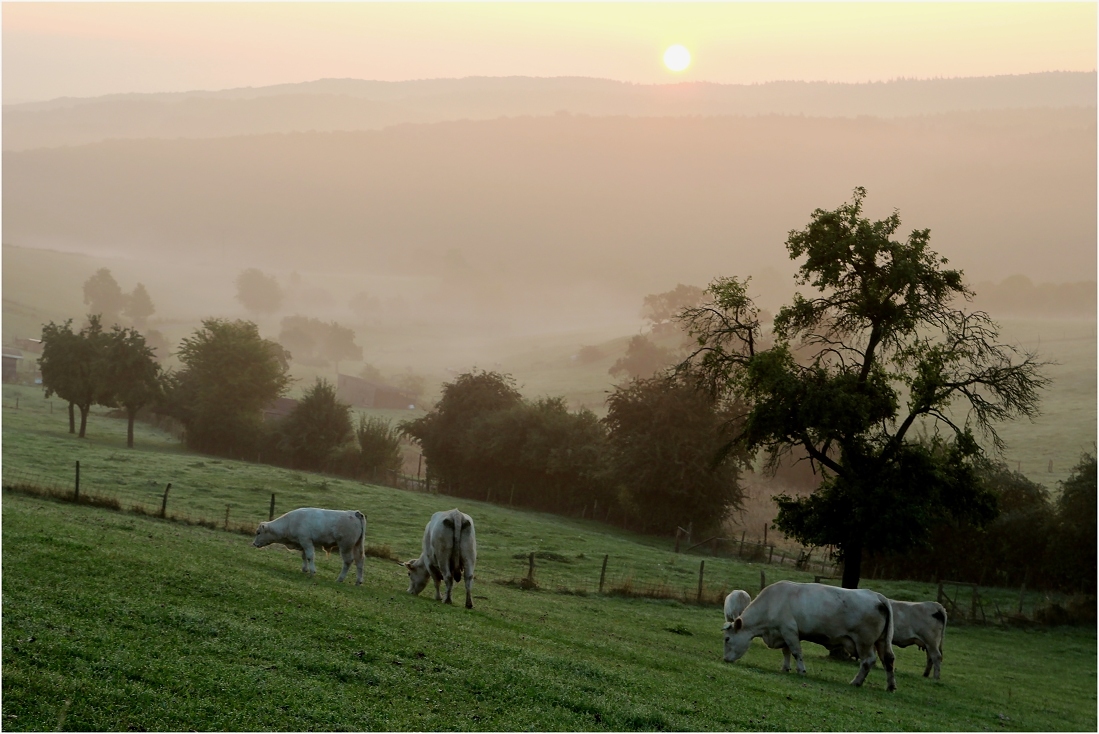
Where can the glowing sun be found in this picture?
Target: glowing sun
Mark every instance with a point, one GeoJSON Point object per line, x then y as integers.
{"type": "Point", "coordinates": [677, 58]}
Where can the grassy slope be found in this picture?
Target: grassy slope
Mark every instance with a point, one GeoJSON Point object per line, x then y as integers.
{"type": "Point", "coordinates": [138, 623]}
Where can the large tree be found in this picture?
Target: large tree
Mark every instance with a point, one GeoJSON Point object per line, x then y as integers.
{"type": "Point", "coordinates": [130, 373]}
{"type": "Point", "coordinates": [139, 306]}
{"type": "Point", "coordinates": [878, 348]}
{"type": "Point", "coordinates": [663, 436]}
{"type": "Point", "coordinates": [230, 373]}
{"type": "Point", "coordinates": [72, 366]}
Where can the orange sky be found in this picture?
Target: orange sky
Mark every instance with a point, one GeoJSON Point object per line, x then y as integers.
{"type": "Point", "coordinates": [88, 49]}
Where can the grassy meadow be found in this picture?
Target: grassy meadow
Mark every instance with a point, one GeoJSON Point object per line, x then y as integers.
{"type": "Point", "coordinates": [119, 621]}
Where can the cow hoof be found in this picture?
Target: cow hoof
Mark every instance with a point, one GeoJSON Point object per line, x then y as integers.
{"type": "Point", "coordinates": [447, 601]}
{"type": "Point", "coordinates": [469, 605]}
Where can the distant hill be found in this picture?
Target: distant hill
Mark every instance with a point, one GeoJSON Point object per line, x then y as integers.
{"type": "Point", "coordinates": [351, 104]}
{"type": "Point", "coordinates": [639, 203]}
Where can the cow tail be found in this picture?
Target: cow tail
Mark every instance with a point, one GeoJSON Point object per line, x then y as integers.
{"type": "Point", "coordinates": [362, 534]}
{"type": "Point", "coordinates": [456, 549]}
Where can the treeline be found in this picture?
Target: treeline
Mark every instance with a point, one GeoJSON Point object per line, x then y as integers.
{"type": "Point", "coordinates": [648, 465]}
{"type": "Point", "coordinates": [1034, 539]}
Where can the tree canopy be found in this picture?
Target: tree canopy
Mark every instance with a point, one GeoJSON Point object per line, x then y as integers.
{"type": "Point", "coordinates": [878, 348]}
{"type": "Point", "coordinates": [104, 297]}
{"type": "Point", "coordinates": [72, 366]}
{"type": "Point", "coordinates": [317, 427]}
{"type": "Point", "coordinates": [130, 373]}
{"type": "Point", "coordinates": [259, 293]}
{"type": "Point", "coordinates": [230, 373]}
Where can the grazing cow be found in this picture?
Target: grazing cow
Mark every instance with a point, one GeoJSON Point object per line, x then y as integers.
{"type": "Point", "coordinates": [735, 603]}
{"type": "Point", "coordinates": [307, 528]}
{"type": "Point", "coordinates": [920, 623]}
{"type": "Point", "coordinates": [785, 613]}
{"type": "Point", "coordinates": [449, 550]}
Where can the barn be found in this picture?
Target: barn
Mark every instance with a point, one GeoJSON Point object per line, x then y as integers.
{"type": "Point", "coordinates": [12, 357]}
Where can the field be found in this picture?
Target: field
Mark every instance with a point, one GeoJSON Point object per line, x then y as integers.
{"type": "Point", "coordinates": [118, 621]}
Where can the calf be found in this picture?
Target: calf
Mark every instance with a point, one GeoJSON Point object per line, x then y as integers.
{"type": "Point", "coordinates": [920, 623]}
{"type": "Point", "coordinates": [449, 550]}
{"type": "Point", "coordinates": [735, 603]}
{"type": "Point", "coordinates": [309, 527]}
{"type": "Point", "coordinates": [785, 613]}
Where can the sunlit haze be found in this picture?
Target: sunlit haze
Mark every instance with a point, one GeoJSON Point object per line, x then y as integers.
{"type": "Point", "coordinates": [56, 49]}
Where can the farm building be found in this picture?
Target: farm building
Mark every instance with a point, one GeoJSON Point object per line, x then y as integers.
{"type": "Point", "coordinates": [362, 393]}
{"type": "Point", "coordinates": [11, 363]}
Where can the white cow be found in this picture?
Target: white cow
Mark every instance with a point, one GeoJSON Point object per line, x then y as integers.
{"type": "Point", "coordinates": [785, 613]}
{"type": "Point", "coordinates": [307, 528]}
{"type": "Point", "coordinates": [735, 603]}
{"type": "Point", "coordinates": [920, 623]}
{"type": "Point", "coordinates": [449, 550]}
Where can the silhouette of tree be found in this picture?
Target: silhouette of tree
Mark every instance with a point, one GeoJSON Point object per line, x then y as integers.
{"type": "Point", "coordinates": [230, 373]}
{"type": "Point", "coordinates": [72, 367]}
{"type": "Point", "coordinates": [104, 297]}
{"type": "Point", "coordinates": [139, 307]}
{"type": "Point", "coordinates": [881, 333]}
{"type": "Point", "coordinates": [130, 374]}
{"type": "Point", "coordinates": [318, 425]}
{"type": "Point", "coordinates": [259, 293]}
{"type": "Point", "coordinates": [643, 358]}
{"type": "Point", "coordinates": [661, 309]}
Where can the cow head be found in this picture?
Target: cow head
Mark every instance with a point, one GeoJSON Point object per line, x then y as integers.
{"type": "Point", "coordinates": [417, 575]}
{"type": "Point", "coordinates": [737, 640]}
{"type": "Point", "coordinates": [262, 536]}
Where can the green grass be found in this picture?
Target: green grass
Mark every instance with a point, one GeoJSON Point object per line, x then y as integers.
{"type": "Point", "coordinates": [139, 623]}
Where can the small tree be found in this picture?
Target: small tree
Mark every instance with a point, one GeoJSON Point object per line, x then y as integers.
{"type": "Point", "coordinates": [230, 373]}
{"type": "Point", "coordinates": [131, 374]}
{"type": "Point", "coordinates": [643, 358]}
{"type": "Point", "coordinates": [139, 307]}
{"type": "Point", "coordinates": [259, 293]}
{"type": "Point", "coordinates": [443, 433]}
{"type": "Point", "coordinates": [1074, 542]}
{"type": "Point", "coordinates": [104, 297]}
{"type": "Point", "coordinates": [379, 447]}
{"type": "Point", "coordinates": [880, 333]}
{"type": "Point", "coordinates": [663, 436]}
{"type": "Point", "coordinates": [317, 426]}
{"type": "Point", "coordinates": [339, 344]}
{"type": "Point", "coordinates": [661, 309]}
{"type": "Point", "coordinates": [72, 366]}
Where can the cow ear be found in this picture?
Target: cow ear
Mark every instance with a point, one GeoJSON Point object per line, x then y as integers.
{"type": "Point", "coordinates": [727, 625]}
{"type": "Point", "coordinates": [737, 624]}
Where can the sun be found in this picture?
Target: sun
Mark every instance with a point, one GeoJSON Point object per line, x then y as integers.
{"type": "Point", "coordinates": [677, 58]}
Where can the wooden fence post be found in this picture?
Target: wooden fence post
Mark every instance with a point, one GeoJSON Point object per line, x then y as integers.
{"type": "Point", "coordinates": [17, 402]}
{"type": "Point", "coordinates": [762, 579]}
{"type": "Point", "coordinates": [771, 556]}
{"type": "Point", "coordinates": [939, 595]}
{"type": "Point", "coordinates": [701, 570]}
{"type": "Point", "coordinates": [227, 516]}
{"type": "Point", "coordinates": [678, 530]}
{"type": "Point", "coordinates": [76, 493]}
{"type": "Point", "coordinates": [271, 513]}
{"type": "Point", "coordinates": [1022, 592]}
{"type": "Point", "coordinates": [765, 533]}
{"type": "Point", "coordinates": [164, 502]}
{"type": "Point", "coordinates": [603, 573]}
{"type": "Point", "coordinates": [530, 570]}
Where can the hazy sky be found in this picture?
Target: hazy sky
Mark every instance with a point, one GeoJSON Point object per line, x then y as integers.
{"type": "Point", "coordinates": [87, 49]}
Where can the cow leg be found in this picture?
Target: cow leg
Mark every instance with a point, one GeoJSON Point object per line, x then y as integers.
{"type": "Point", "coordinates": [437, 577]}
{"type": "Point", "coordinates": [359, 563]}
{"type": "Point", "coordinates": [449, 579]}
{"type": "Point", "coordinates": [346, 557]}
{"type": "Point", "coordinates": [793, 647]}
{"type": "Point", "coordinates": [934, 660]}
{"type": "Point", "coordinates": [309, 565]}
{"type": "Point", "coordinates": [469, 589]}
{"type": "Point", "coordinates": [885, 652]}
{"type": "Point", "coordinates": [867, 658]}
{"type": "Point", "coordinates": [785, 660]}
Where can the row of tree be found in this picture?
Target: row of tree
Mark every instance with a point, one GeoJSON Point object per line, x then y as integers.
{"type": "Point", "coordinates": [1034, 540]}
{"type": "Point", "coordinates": [650, 462]}
{"type": "Point", "coordinates": [229, 374]}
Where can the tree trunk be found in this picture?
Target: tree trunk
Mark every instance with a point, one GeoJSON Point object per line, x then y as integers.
{"type": "Point", "coordinates": [852, 566]}
{"type": "Point", "coordinates": [130, 415]}
{"type": "Point", "coordinates": [72, 418]}
{"type": "Point", "coordinates": [83, 419]}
